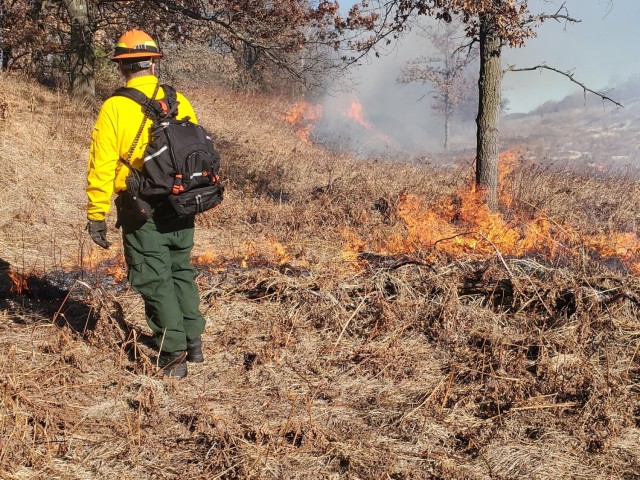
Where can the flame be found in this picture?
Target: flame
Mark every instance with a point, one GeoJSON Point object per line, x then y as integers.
{"type": "Point", "coordinates": [261, 251]}
{"type": "Point", "coordinates": [353, 246]}
{"type": "Point", "coordinates": [118, 271]}
{"type": "Point", "coordinates": [279, 251]}
{"type": "Point", "coordinates": [250, 252]}
{"type": "Point", "coordinates": [456, 229]}
{"type": "Point", "coordinates": [100, 258]}
{"type": "Point", "coordinates": [206, 259]}
{"type": "Point", "coordinates": [462, 226]}
{"type": "Point", "coordinates": [303, 116]}
{"type": "Point", "coordinates": [470, 228]}
{"type": "Point", "coordinates": [458, 225]}
{"type": "Point", "coordinates": [113, 264]}
{"type": "Point", "coordinates": [19, 282]}
{"type": "Point", "coordinates": [623, 245]}
{"type": "Point", "coordinates": [507, 162]}
{"type": "Point", "coordinates": [355, 112]}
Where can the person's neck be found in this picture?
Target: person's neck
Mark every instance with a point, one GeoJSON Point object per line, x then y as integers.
{"type": "Point", "coordinates": [141, 73]}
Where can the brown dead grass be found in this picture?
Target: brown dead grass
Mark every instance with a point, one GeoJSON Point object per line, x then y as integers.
{"type": "Point", "coordinates": [321, 363]}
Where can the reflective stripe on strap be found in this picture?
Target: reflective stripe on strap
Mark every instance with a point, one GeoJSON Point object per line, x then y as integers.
{"type": "Point", "coordinates": [153, 155]}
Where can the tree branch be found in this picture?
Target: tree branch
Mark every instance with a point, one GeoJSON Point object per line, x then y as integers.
{"type": "Point", "coordinates": [557, 16]}
{"type": "Point", "coordinates": [561, 14]}
{"type": "Point", "coordinates": [569, 75]}
{"type": "Point", "coordinates": [213, 18]}
{"type": "Point", "coordinates": [276, 51]}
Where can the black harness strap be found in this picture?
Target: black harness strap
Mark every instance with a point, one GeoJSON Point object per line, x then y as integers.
{"type": "Point", "coordinates": [151, 108]}
{"type": "Point", "coordinates": [158, 109]}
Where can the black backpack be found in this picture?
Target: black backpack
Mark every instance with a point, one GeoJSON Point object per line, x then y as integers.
{"type": "Point", "coordinates": [180, 162]}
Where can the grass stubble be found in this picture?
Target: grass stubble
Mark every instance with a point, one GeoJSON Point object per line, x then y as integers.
{"type": "Point", "coordinates": [321, 363]}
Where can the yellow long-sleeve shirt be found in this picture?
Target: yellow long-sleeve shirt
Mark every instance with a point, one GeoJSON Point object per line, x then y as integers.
{"type": "Point", "coordinates": [115, 129]}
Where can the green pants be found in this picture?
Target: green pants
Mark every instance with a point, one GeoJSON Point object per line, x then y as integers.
{"type": "Point", "coordinates": [160, 270]}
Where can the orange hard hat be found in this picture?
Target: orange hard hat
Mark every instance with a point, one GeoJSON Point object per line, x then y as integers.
{"type": "Point", "coordinates": [136, 44]}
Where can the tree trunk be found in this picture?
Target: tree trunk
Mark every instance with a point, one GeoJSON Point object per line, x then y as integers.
{"type": "Point", "coordinates": [5, 51]}
{"type": "Point", "coordinates": [488, 112]}
{"type": "Point", "coordinates": [446, 133]}
{"type": "Point", "coordinates": [6, 57]}
{"type": "Point", "coordinates": [447, 115]}
{"type": "Point", "coordinates": [82, 80]}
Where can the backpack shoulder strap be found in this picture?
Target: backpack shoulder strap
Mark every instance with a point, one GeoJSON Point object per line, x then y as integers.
{"type": "Point", "coordinates": [132, 93]}
{"type": "Point", "coordinates": [152, 107]}
{"type": "Point", "coordinates": [171, 101]}
{"type": "Point", "coordinates": [148, 109]}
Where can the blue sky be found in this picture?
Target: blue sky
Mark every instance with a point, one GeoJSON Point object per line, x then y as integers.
{"type": "Point", "coordinates": [599, 51]}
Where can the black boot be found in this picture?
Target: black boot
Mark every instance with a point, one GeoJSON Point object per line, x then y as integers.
{"type": "Point", "coordinates": [194, 351]}
{"type": "Point", "coordinates": [173, 364]}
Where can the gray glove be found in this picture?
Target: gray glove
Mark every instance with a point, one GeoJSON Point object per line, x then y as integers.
{"type": "Point", "coordinates": [98, 231]}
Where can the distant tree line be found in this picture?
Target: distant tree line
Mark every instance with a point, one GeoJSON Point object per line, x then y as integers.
{"type": "Point", "coordinates": [70, 39]}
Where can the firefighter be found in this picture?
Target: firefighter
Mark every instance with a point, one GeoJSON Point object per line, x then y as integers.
{"type": "Point", "coordinates": [157, 250]}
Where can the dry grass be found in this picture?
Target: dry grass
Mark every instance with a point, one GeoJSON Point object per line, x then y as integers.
{"type": "Point", "coordinates": [326, 358]}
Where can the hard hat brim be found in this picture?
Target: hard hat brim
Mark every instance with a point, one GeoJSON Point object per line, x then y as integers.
{"type": "Point", "coordinates": [136, 55]}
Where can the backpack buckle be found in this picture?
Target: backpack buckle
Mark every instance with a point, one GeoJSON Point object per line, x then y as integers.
{"type": "Point", "coordinates": [178, 187]}
{"type": "Point", "coordinates": [164, 107]}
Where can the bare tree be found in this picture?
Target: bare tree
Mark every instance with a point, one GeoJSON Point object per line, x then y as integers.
{"type": "Point", "coordinates": [82, 49]}
{"type": "Point", "coordinates": [493, 24]}
{"type": "Point", "coordinates": [447, 71]}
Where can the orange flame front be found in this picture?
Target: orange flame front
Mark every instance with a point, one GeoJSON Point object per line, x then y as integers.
{"type": "Point", "coordinates": [462, 226]}
{"type": "Point", "coordinates": [469, 228]}
{"type": "Point", "coordinates": [19, 282]}
{"type": "Point", "coordinates": [279, 251]}
{"type": "Point", "coordinates": [117, 271]}
{"type": "Point", "coordinates": [303, 116]}
{"type": "Point", "coordinates": [355, 112]}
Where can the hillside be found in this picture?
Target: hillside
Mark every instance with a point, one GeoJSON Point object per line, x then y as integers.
{"type": "Point", "coordinates": [583, 133]}
{"type": "Point", "coordinates": [366, 319]}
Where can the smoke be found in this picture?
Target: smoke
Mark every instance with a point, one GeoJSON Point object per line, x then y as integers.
{"type": "Point", "coordinates": [400, 112]}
